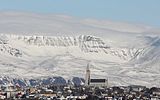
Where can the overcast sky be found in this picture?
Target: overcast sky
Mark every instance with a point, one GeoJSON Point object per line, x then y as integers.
{"type": "Point", "coordinates": [134, 11]}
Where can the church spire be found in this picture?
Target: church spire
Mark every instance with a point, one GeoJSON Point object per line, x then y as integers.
{"type": "Point", "coordinates": [87, 78]}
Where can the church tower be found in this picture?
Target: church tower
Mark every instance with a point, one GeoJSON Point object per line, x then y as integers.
{"type": "Point", "coordinates": [87, 78]}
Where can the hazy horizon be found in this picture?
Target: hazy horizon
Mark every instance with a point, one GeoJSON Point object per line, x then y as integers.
{"type": "Point", "coordinates": [143, 12]}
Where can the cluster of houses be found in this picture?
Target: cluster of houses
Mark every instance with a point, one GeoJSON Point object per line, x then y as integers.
{"type": "Point", "coordinates": [93, 89]}
{"type": "Point", "coordinates": [68, 92]}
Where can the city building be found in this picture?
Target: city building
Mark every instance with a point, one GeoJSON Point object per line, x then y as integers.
{"type": "Point", "coordinates": [94, 82]}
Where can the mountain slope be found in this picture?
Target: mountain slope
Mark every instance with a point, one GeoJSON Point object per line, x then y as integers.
{"type": "Point", "coordinates": [37, 46]}
{"type": "Point", "coordinates": [67, 56]}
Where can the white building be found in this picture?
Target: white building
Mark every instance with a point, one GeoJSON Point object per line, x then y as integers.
{"type": "Point", "coordinates": [10, 90]}
{"type": "Point", "coordinates": [94, 82]}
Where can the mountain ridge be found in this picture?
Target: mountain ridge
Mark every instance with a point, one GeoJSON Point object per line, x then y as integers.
{"type": "Point", "coordinates": [37, 45]}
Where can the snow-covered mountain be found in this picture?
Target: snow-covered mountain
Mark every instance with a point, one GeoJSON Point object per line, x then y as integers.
{"type": "Point", "coordinates": [67, 56]}
{"type": "Point", "coordinates": [35, 48]}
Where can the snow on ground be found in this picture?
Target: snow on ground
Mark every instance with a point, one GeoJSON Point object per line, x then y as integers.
{"type": "Point", "coordinates": [35, 45]}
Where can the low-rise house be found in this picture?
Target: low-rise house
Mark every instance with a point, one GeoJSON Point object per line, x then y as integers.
{"type": "Point", "coordinates": [2, 97]}
{"type": "Point", "coordinates": [155, 98]}
{"type": "Point", "coordinates": [108, 98]}
{"type": "Point", "coordinates": [76, 97]}
{"type": "Point", "coordinates": [136, 88]}
{"type": "Point", "coordinates": [155, 91]}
